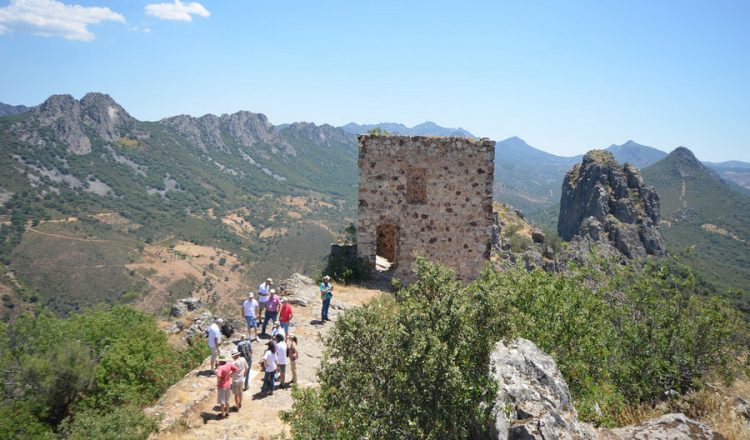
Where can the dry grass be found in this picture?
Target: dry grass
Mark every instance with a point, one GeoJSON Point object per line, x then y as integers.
{"type": "Point", "coordinates": [713, 406]}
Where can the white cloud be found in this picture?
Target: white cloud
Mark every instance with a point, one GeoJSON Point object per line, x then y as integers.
{"type": "Point", "coordinates": [52, 18]}
{"type": "Point", "coordinates": [177, 11]}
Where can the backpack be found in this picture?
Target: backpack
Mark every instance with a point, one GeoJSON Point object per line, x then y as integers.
{"type": "Point", "coordinates": [245, 348]}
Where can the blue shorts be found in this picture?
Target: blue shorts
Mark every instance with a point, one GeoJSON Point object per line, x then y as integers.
{"type": "Point", "coordinates": [251, 322]}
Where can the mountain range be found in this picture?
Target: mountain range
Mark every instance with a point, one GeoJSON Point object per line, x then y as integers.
{"type": "Point", "coordinates": [272, 196]}
{"type": "Point", "coordinates": [424, 129]}
{"type": "Point", "coordinates": [75, 172]}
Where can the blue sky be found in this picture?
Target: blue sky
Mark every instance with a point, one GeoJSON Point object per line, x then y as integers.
{"type": "Point", "coordinates": [564, 76]}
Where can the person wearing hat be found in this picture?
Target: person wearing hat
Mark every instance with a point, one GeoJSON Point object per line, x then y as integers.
{"type": "Point", "coordinates": [285, 315]}
{"type": "Point", "coordinates": [238, 377]}
{"type": "Point", "coordinates": [326, 293]}
{"type": "Point", "coordinates": [277, 330]}
{"type": "Point", "coordinates": [272, 309]}
{"type": "Point", "coordinates": [264, 291]}
{"type": "Point", "coordinates": [269, 368]}
{"type": "Point", "coordinates": [214, 339]}
{"type": "Point", "coordinates": [250, 312]}
{"type": "Point", "coordinates": [224, 384]}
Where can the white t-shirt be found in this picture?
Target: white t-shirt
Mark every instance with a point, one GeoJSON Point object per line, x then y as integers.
{"type": "Point", "coordinates": [250, 306]}
{"type": "Point", "coordinates": [263, 290]}
{"type": "Point", "coordinates": [239, 375]}
{"type": "Point", "coordinates": [269, 360]}
{"type": "Point", "coordinates": [278, 331]}
{"type": "Point", "coordinates": [214, 332]}
{"type": "Point", "coordinates": [281, 353]}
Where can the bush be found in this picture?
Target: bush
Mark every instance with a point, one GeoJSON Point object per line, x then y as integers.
{"type": "Point", "coordinates": [411, 367]}
{"type": "Point", "coordinates": [646, 330]}
{"type": "Point", "coordinates": [87, 365]}
{"type": "Point", "coordinates": [416, 366]}
{"type": "Point", "coordinates": [126, 423]}
{"type": "Point", "coordinates": [347, 268]}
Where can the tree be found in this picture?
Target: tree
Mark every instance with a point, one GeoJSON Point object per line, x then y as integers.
{"type": "Point", "coordinates": [411, 367]}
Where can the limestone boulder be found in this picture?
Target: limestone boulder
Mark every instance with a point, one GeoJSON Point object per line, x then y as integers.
{"type": "Point", "coordinates": [669, 427]}
{"type": "Point", "coordinates": [533, 401]}
{"type": "Point", "coordinates": [299, 290]}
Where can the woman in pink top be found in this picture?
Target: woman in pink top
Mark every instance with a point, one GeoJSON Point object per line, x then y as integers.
{"type": "Point", "coordinates": [224, 384]}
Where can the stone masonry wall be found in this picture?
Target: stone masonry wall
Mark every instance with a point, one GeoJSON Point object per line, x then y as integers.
{"type": "Point", "coordinates": [429, 196]}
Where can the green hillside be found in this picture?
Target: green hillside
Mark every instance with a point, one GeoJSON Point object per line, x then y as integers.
{"type": "Point", "coordinates": [704, 220]}
{"type": "Point", "coordinates": [176, 179]}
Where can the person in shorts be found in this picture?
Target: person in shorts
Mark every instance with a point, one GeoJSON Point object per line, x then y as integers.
{"type": "Point", "coordinates": [250, 312]}
{"type": "Point", "coordinates": [238, 377]}
{"type": "Point", "coordinates": [224, 384]}
{"type": "Point", "coordinates": [264, 292]}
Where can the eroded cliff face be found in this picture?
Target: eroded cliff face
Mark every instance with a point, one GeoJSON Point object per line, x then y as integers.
{"type": "Point", "coordinates": [607, 204]}
{"type": "Point", "coordinates": [72, 122]}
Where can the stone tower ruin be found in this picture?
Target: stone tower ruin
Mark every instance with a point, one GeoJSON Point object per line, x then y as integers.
{"type": "Point", "coordinates": [428, 196]}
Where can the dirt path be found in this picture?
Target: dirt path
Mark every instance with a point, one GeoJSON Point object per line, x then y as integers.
{"type": "Point", "coordinates": [90, 240]}
{"type": "Point", "coordinates": [190, 406]}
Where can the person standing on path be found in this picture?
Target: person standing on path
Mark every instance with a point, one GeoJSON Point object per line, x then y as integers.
{"type": "Point", "coordinates": [250, 312]}
{"type": "Point", "coordinates": [264, 290]}
{"type": "Point", "coordinates": [245, 347]}
{"type": "Point", "coordinates": [269, 369]}
{"type": "Point", "coordinates": [214, 339]}
{"type": "Point", "coordinates": [285, 315]}
{"type": "Point", "coordinates": [272, 309]}
{"type": "Point", "coordinates": [281, 358]}
{"type": "Point", "coordinates": [326, 293]}
{"type": "Point", "coordinates": [238, 377]}
{"type": "Point", "coordinates": [223, 384]}
{"type": "Point", "coordinates": [293, 355]}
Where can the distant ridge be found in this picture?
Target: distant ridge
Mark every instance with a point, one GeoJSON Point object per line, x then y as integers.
{"type": "Point", "coordinates": [702, 212]}
{"type": "Point", "coordinates": [10, 110]}
{"type": "Point", "coordinates": [636, 154]}
{"type": "Point", "coordinates": [424, 129]}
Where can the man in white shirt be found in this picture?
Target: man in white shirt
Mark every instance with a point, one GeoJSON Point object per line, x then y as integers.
{"type": "Point", "coordinates": [250, 312]}
{"type": "Point", "coordinates": [214, 339]}
{"type": "Point", "coordinates": [264, 292]}
{"type": "Point", "coordinates": [281, 358]}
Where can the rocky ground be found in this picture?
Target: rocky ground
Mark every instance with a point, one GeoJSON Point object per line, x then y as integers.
{"type": "Point", "coordinates": [189, 409]}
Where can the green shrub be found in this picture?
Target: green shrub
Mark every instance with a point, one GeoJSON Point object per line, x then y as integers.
{"type": "Point", "coordinates": [125, 423]}
{"type": "Point", "coordinates": [347, 269]}
{"type": "Point", "coordinates": [411, 367]}
{"type": "Point", "coordinates": [89, 366]}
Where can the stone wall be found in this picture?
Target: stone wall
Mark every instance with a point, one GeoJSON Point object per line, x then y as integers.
{"type": "Point", "coordinates": [429, 196]}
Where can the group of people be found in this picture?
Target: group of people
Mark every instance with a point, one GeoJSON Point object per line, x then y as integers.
{"type": "Point", "coordinates": [233, 374]}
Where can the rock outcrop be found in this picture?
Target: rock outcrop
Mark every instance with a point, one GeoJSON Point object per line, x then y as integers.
{"type": "Point", "coordinates": [608, 204]}
{"type": "Point", "coordinates": [516, 243]}
{"type": "Point", "coordinates": [533, 402]}
{"type": "Point", "coordinates": [211, 132]}
{"type": "Point", "coordinates": [71, 121]}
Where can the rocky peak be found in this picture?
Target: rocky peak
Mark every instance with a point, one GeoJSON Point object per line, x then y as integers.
{"type": "Point", "coordinates": [209, 131]}
{"type": "Point", "coordinates": [319, 134]}
{"type": "Point", "coordinates": [685, 162]}
{"type": "Point", "coordinates": [607, 203]}
{"type": "Point", "coordinates": [62, 114]}
{"type": "Point", "coordinates": [105, 116]}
